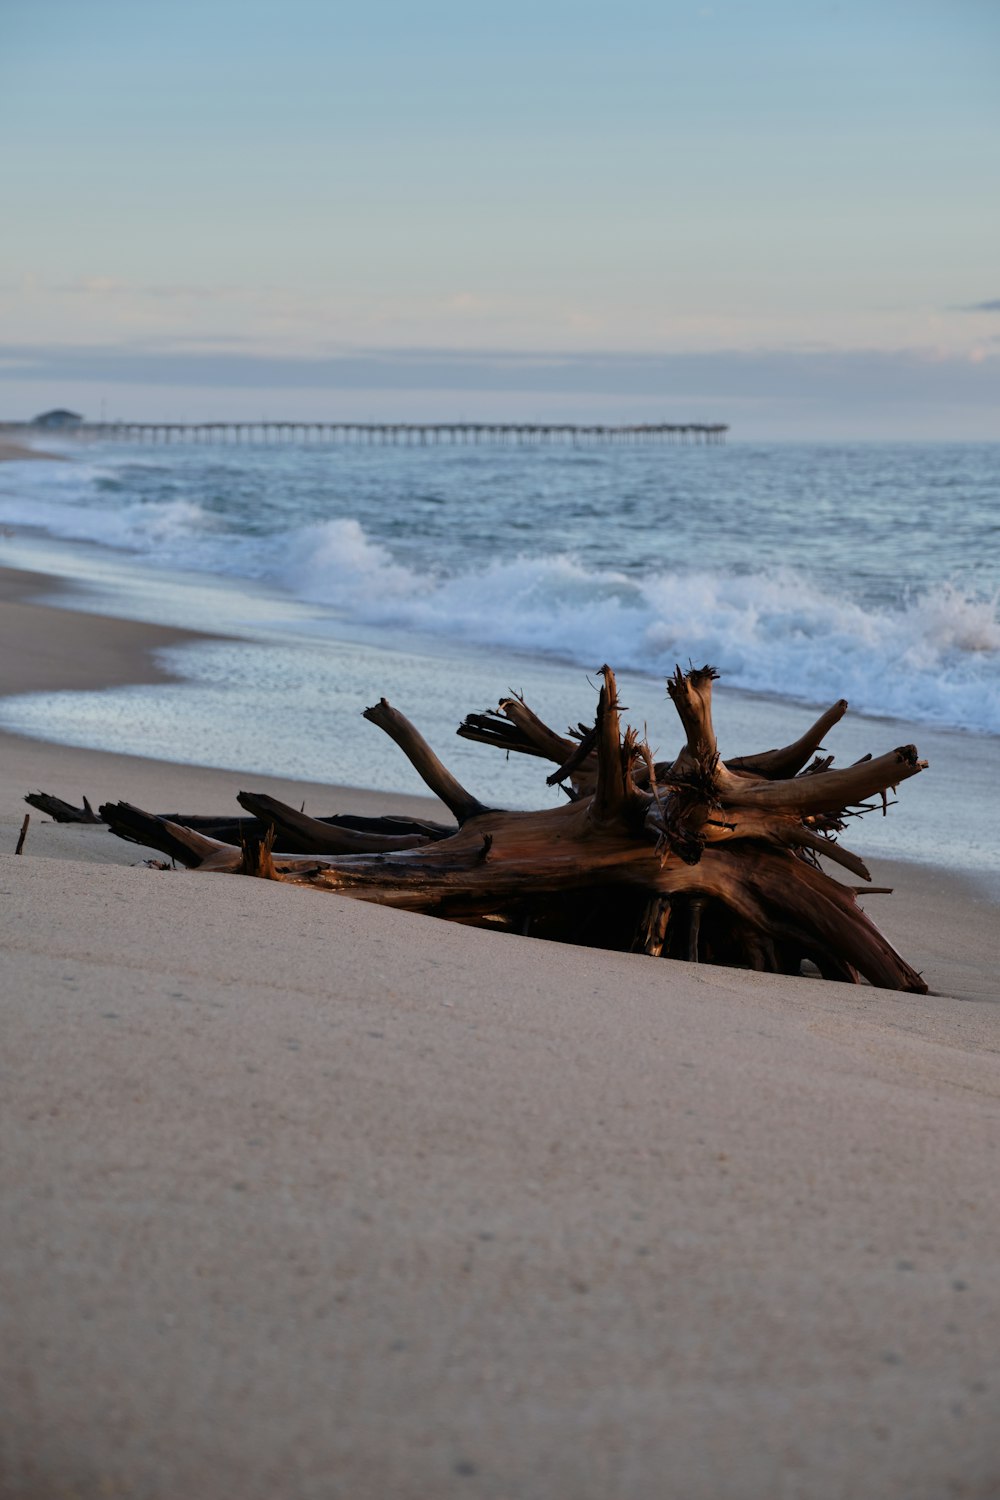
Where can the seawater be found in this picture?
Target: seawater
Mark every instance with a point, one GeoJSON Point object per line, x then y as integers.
{"type": "Point", "coordinates": [442, 577]}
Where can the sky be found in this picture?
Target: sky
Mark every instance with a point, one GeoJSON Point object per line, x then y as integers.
{"type": "Point", "coordinates": [781, 214]}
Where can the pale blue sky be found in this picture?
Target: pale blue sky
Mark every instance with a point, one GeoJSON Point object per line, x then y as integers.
{"type": "Point", "coordinates": [786, 215]}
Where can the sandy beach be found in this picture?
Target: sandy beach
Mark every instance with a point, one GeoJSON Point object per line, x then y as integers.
{"type": "Point", "coordinates": [12, 450]}
{"type": "Point", "coordinates": [306, 1198]}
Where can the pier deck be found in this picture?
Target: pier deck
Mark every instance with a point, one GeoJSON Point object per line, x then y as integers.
{"type": "Point", "coordinates": [403, 433]}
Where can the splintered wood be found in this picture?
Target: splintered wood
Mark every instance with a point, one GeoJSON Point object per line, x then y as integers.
{"type": "Point", "coordinates": [698, 858]}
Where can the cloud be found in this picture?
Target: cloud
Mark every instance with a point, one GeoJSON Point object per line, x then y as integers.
{"type": "Point", "coordinates": [992, 305]}
{"type": "Point", "coordinates": [867, 378]}
{"type": "Point", "coordinates": [111, 286]}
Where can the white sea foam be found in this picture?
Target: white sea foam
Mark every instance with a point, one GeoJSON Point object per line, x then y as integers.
{"type": "Point", "coordinates": [933, 655]}
{"type": "Point", "coordinates": [935, 658]}
{"type": "Point", "coordinates": [57, 503]}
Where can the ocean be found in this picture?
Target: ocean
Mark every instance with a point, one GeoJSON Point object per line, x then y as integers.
{"type": "Point", "coordinates": [442, 578]}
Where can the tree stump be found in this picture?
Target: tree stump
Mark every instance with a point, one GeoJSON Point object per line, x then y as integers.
{"type": "Point", "coordinates": [699, 858]}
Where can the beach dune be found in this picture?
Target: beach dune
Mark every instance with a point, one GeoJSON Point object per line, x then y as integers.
{"type": "Point", "coordinates": [308, 1198]}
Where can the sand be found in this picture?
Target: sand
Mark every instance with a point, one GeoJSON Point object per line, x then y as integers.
{"type": "Point", "coordinates": [307, 1198]}
{"type": "Point", "coordinates": [12, 451]}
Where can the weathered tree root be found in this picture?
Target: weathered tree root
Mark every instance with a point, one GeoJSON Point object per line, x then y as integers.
{"type": "Point", "coordinates": [697, 858]}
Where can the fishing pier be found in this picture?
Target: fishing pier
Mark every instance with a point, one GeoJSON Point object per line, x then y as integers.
{"type": "Point", "coordinates": [404, 434]}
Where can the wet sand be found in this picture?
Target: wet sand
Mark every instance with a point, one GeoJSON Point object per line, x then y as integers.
{"type": "Point", "coordinates": [14, 451]}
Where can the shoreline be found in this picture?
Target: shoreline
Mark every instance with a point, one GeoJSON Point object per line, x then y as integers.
{"type": "Point", "coordinates": [22, 452]}
{"type": "Point", "coordinates": [62, 648]}
{"type": "Point", "coordinates": [528, 1218]}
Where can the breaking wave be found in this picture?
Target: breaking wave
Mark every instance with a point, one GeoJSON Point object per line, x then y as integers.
{"type": "Point", "coordinates": [934, 657]}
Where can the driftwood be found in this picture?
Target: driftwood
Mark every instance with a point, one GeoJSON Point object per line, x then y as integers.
{"type": "Point", "coordinates": [696, 858]}
{"type": "Point", "coordinates": [60, 811]}
{"type": "Point", "coordinates": [235, 830]}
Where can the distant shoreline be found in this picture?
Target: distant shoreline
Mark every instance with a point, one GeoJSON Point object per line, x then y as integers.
{"type": "Point", "coordinates": [18, 452]}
